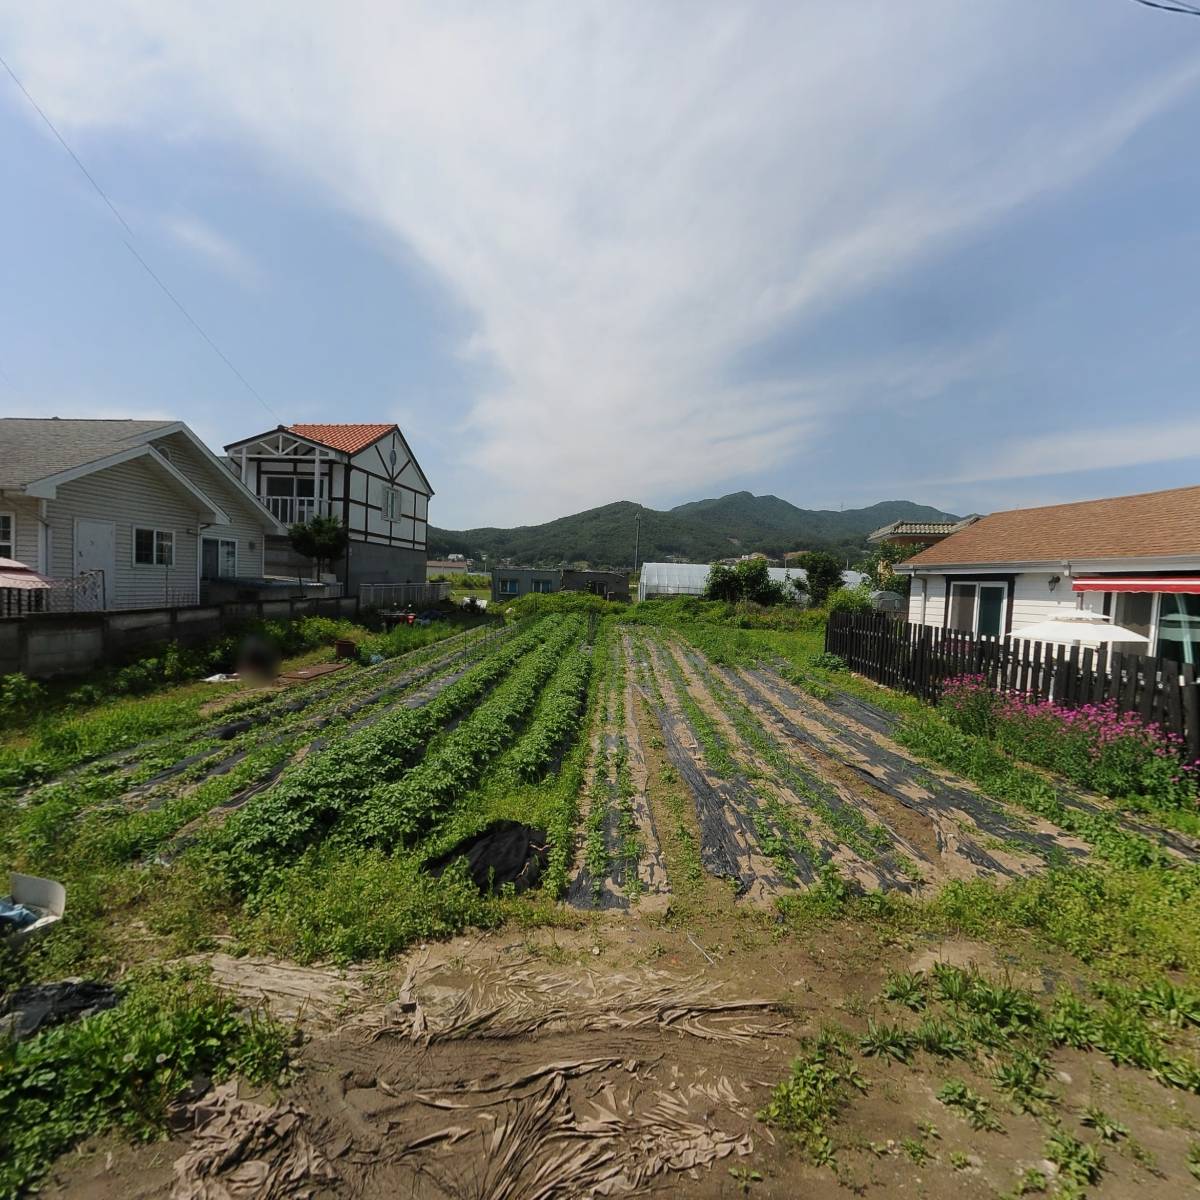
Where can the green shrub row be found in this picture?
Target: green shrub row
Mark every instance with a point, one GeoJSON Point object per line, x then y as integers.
{"type": "Point", "coordinates": [397, 814]}
{"type": "Point", "coordinates": [559, 713]}
{"type": "Point", "coordinates": [309, 800]}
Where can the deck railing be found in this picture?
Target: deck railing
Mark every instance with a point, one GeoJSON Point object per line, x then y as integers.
{"type": "Point", "coordinates": [293, 510]}
{"type": "Point", "coordinates": [401, 595]}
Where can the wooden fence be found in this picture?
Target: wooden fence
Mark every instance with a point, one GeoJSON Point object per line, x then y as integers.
{"type": "Point", "coordinates": [918, 658]}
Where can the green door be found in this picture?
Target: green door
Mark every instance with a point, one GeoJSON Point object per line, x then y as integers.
{"type": "Point", "coordinates": [991, 609]}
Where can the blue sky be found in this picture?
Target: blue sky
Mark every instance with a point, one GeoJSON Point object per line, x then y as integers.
{"type": "Point", "coordinates": [595, 251]}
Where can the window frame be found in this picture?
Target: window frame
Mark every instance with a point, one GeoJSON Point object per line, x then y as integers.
{"type": "Point", "coordinates": [542, 587]}
{"type": "Point", "coordinates": [1112, 602]}
{"type": "Point", "coordinates": [502, 588]}
{"type": "Point", "coordinates": [976, 585]}
{"type": "Point", "coordinates": [155, 533]}
{"type": "Point", "coordinates": [12, 534]}
{"type": "Point", "coordinates": [390, 506]}
{"type": "Point", "coordinates": [222, 542]}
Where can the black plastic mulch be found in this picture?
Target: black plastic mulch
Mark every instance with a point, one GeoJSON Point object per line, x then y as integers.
{"type": "Point", "coordinates": [892, 773]}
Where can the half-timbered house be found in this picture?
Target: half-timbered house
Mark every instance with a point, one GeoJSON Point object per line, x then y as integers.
{"type": "Point", "coordinates": [364, 475]}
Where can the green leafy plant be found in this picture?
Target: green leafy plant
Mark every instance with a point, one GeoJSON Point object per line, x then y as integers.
{"type": "Point", "coordinates": [121, 1068]}
{"type": "Point", "coordinates": [907, 988]}
{"type": "Point", "coordinates": [810, 1098]}
{"type": "Point", "coordinates": [968, 1104]}
{"type": "Point", "coordinates": [1079, 1161]}
{"type": "Point", "coordinates": [1109, 1128]}
{"type": "Point", "coordinates": [886, 1041]}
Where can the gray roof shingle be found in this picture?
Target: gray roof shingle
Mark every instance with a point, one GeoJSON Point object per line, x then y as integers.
{"type": "Point", "coordinates": [33, 447]}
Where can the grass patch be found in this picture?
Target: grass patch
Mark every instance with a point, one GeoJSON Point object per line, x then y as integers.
{"type": "Point", "coordinates": [121, 1069]}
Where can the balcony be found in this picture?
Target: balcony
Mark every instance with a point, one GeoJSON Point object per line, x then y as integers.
{"type": "Point", "coordinates": [292, 510]}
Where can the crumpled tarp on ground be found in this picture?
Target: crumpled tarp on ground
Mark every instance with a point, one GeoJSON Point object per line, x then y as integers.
{"type": "Point", "coordinates": [506, 852]}
{"type": "Point", "coordinates": [247, 1151]}
{"type": "Point", "coordinates": [552, 1133]}
{"type": "Point", "coordinates": [26, 1010]}
{"type": "Point", "coordinates": [519, 999]}
{"type": "Point", "coordinates": [502, 1080]}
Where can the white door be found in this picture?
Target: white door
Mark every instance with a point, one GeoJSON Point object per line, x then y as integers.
{"type": "Point", "coordinates": [96, 550]}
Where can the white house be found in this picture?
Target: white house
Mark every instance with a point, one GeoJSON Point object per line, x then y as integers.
{"type": "Point", "coordinates": [364, 475]}
{"type": "Point", "coordinates": [1136, 558]}
{"type": "Point", "coordinates": [144, 503]}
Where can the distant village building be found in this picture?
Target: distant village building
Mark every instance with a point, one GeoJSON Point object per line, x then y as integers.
{"type": "Point", "coordinates": [454, 565]}
{"type": "Point", "coordinates": [511, 583]}
{"type": "Point", "coordinates": [918, 533]}
{"type": "Point", "coordinates": [691, 579]}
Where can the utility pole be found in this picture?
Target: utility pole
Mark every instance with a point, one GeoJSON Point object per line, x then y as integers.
{"type": "Point", "coordinates": [637, 539]}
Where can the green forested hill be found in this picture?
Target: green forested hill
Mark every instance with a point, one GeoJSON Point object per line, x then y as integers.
{"type": "Point", "coordinates": [700, 531]}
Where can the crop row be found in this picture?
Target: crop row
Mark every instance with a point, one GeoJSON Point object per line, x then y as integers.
{"type": "Point", "coordinates": [245, 722]}
{"type": "Point", "coordinates": [559, 713]}
{"type": "Point", "coordinates": [400, 812]}
{"type": "Point", "coordinates": [310, 798]}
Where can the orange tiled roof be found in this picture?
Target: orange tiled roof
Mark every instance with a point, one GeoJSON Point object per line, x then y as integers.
{"type": "Point", "coordinates": [349, 438]}
{"type": "Point", "coordinates": [1153, 524]}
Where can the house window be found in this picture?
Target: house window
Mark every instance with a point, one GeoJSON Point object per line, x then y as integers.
{"type": "Point", "coordinates": [540, 585]}
{"type": "Point", "coordinates": [8, 535]}
{"type": "Point", "coordinates": [509, 587]}
{"type": "Point", "coordinates": [218, 558]}
{"type": "Point", "coordinates": [1179, 627]}
{"type": "Point", "coordinates": [153, 547]}
{"type": "Point", "coordinates": [391, 504]}
{"type": "Point", "coordinates": [978, 608]}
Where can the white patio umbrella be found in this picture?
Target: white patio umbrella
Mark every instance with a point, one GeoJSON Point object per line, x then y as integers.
{"type": "Point", "coordinates": [1077, 626]}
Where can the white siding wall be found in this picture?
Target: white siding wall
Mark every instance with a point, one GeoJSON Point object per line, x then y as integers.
{"type": "Point", "coordinates": [1032, 599]}
{"type": "Point", "coordinates": [246, 524]}
{"type": "Point", "coordinates": [414, 504]}
{"type": "Point", "coordinates": [25, 514]}
{"type": "Point", "coordinates": [934, 601]}
{"type": "Point", "coordinates": [134, 493]}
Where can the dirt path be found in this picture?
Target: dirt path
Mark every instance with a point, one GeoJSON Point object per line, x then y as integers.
{"type": "Point", "coordinates": [617, 1061]}
{"type": "Point", "coordinates": [619, 859]}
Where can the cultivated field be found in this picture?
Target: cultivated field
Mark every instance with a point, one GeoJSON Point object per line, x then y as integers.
{"type": "Point", "coordinates": [773, 946]}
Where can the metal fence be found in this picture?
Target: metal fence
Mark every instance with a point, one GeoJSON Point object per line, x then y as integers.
{"type": "Point", "coordinates": [401, 595]}
{"type": "Point", "coordinates": [83, 593]}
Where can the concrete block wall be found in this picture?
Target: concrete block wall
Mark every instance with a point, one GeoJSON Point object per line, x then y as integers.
{"type": "Point", "coordinates": [51, 644]}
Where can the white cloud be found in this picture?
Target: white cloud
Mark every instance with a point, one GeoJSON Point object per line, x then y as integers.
{"type": "Point", "coordinates": [215, 248]}
{"type": "Point", "coordinates": [625, 195]}
{"type": "Point", "coordinates": [1082, 449]}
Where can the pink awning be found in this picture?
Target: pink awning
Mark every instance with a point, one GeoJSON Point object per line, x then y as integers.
{"type": "Point", "coordinates": [1119, 583]}
{"type": "Point", "coordinates": [27, 581]}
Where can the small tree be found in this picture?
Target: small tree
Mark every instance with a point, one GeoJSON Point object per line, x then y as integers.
{"type": "Point", "coordinates": [880, 566]}
{"type": "Point", "coordinates": [824, 574]}
{"type": "Point", "coordinates": [722, 584]}
{"type": "Point", "coordinates": [748, 581]}
{"type": "Point", "coordinates": [323, 539]}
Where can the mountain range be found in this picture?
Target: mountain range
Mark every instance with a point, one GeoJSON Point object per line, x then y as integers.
{"type": "Point", "coordinates": [699, 531]}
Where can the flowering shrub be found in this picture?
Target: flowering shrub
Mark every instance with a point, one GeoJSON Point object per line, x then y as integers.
{"type": "Point", "coordinates": [1116, 754]}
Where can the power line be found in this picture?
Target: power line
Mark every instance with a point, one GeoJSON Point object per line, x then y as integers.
{"type": "Point", "coordinates": [129, 245]}
{"type": "Point", "coordinates": [1188, 10]}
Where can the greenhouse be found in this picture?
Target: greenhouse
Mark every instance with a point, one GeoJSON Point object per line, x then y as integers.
{"type": "Point", "coordinates": [689, 579]}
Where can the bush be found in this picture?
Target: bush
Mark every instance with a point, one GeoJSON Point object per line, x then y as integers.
{"type": "Point", "coordinates": [849, 600]}
{"type": "Point", "coordinates": [122, 1068]}
{"type": "Point", "coordinates": [19, 697]}
{"type": "Point", "coordinates": [1116, 754]}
